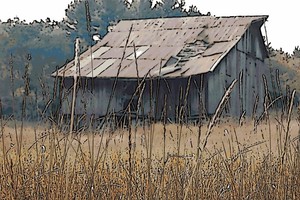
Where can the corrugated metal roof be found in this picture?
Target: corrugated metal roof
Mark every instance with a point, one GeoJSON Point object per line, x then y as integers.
{"type": "Point", "coordinates": [199, 42]}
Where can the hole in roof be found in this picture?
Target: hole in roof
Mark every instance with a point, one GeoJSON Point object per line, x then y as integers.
{"type": "Point", "coordinates": [169, 67]}
{"type": "Point", "coordinates": [171, 62]}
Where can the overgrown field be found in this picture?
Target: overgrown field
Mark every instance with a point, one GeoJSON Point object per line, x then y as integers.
{"type": "Point", "coordinates": [154, 161]}
{"type": "Point", "coordinates": [212, 158]}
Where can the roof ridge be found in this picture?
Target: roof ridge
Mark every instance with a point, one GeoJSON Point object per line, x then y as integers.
{"type": "Point", "coordinates": [198, 16]}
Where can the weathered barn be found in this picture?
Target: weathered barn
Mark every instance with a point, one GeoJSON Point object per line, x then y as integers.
{"type": "Point", "coordinates": [181, 64]}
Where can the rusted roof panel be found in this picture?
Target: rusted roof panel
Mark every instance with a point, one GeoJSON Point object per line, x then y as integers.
{"type": "Point", "coordinates": [198, 42]}
{"type": "Point", "coordinates": [137, 52]}
{"type": "Point", "coordinates": [159, 53]}
{"type": "Point", "coordinates": [199, 65]}
{"type": "Point", "coordinates": [144, 67]}
{"type": "Point", "coordinates": [117, 52]}
{"type": "Point", "coordinates": [112, 71]}
{"type": "Point", "coordinates": [115, 39]}
{"type": "Point", "coordinates": [101, 67]}
{"type": "Point", "coordinates": [217, 34]}
{"type": "Point", "coordinates": [85, 60]}
{"type": "Point", "coordinates": [86, 70]}
{"type": "Point", "coordinates": [217, 48]}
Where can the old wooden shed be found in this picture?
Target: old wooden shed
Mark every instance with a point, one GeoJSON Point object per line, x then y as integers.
{"type": "Point", "coordinates": [179, 66]}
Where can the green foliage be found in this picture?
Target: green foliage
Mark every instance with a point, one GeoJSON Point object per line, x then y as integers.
{"type": "Point", "coordinates": [170, 8]}
{"type": "Point", "coordinates": [86, 18]}
{"type": "Point", "coordinates": [40, 46]}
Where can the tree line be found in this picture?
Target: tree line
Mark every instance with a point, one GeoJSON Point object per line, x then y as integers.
{"type": "Point", "coordinates": [30, 52]}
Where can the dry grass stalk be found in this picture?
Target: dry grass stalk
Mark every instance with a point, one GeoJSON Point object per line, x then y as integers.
{"type": "Point", "coordinates": [117, 76]}
{"type": "Point", "coordinates": [291, 103]}
{"type": "Point", "coordinates": [211, 124]}
{"type": "Point", "coordinates": [218, 112]}
{"type": "Point", "coordinates": [201, 108]}
{"type": "Point", "coordinates": [77, 66]}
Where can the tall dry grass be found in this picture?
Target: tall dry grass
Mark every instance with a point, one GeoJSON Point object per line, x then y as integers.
{"type": "Point", "coordinates": [254, 158]}
{"type": "Point", "coordinates": [236, 164]}
{"type": "Point", "coordinates": [258, 159]}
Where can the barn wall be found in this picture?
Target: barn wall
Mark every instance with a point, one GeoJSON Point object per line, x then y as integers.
{"type": "Point", "coordinates": [244, 62]}
{"type": "Point", "coordinates": [152, 99]}
{"type": "Point", "coordinates": [97, 102]}
{"type": "Point", "coordinates": [181, 96]}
